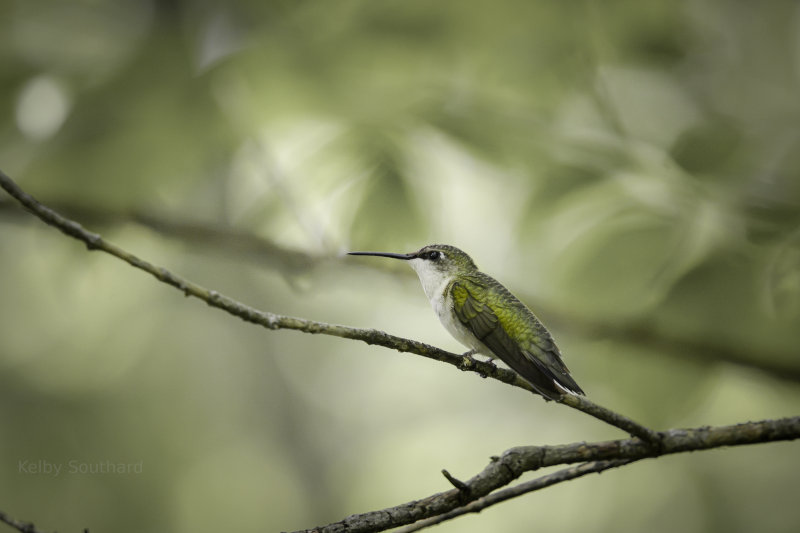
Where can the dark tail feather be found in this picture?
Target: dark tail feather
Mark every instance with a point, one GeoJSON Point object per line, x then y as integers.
{"type": "Point", "coordinates": [566, 381]}
{"type": "Point", "coordinates": [546, 381]}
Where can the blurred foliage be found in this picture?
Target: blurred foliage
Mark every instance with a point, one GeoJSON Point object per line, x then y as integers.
{"type": "Point", "coordinates": [629, 168]}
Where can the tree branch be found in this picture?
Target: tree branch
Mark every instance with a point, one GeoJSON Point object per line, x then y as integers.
{"type": "Point", "coordinates": [94, 241]}
{"type": "Point", "coordinates": [515, 461]}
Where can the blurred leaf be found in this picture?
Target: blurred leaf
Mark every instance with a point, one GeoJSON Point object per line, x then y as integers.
{"type": "Point", "coordinates": [387, 218]}
{"type": "Point", "coordinates": [708, 148]}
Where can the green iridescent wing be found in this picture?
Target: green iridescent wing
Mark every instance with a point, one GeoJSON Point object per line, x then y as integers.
{"type": "Point", "coordinates": [535, 356]}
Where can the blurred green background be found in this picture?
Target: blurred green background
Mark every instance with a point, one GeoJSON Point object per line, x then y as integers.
{"type": "Point", "coordinates": [630, 169]}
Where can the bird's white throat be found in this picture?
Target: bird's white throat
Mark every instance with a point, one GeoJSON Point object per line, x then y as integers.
{"type": "Point", "coordinates": [434, 281]}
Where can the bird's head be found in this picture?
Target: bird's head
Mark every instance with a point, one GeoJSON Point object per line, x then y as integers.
{"type": "Point", "coordinates": [434, 263]}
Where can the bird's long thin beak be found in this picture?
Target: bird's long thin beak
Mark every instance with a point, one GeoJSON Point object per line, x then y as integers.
{"type": "Point", "coordinates": [405, 257]}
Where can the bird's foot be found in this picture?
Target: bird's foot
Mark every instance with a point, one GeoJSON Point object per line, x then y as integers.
{"type": "Point", "coordinates": [467, 361]}
{"type": "Point", "coordinates": [470, 362]}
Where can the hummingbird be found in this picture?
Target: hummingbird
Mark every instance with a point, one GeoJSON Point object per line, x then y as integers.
{"type": "Point", "coordinates": [486, 318]}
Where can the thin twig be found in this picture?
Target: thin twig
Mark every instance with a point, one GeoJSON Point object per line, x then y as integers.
{"type": "Point", "coordinates": [581, 403]}
{"type": "Point", "coordinates": [499, 496]}
{"type": "Point", "coordinates": [273, 321]}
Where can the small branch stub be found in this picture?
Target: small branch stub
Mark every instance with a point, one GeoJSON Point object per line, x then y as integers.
{"type": "Point", "coordinates": [457, 483]}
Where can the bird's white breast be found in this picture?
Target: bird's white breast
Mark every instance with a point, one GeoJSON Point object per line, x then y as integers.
{"type": "Point", "coordinates": [435, 283]}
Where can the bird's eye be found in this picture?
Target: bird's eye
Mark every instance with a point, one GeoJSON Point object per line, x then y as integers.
{"type": "Point", "coordinates": [433, 255]}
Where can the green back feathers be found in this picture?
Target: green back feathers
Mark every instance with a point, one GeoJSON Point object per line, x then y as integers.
{"type": "Point", "coordinates": [511, 331]}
